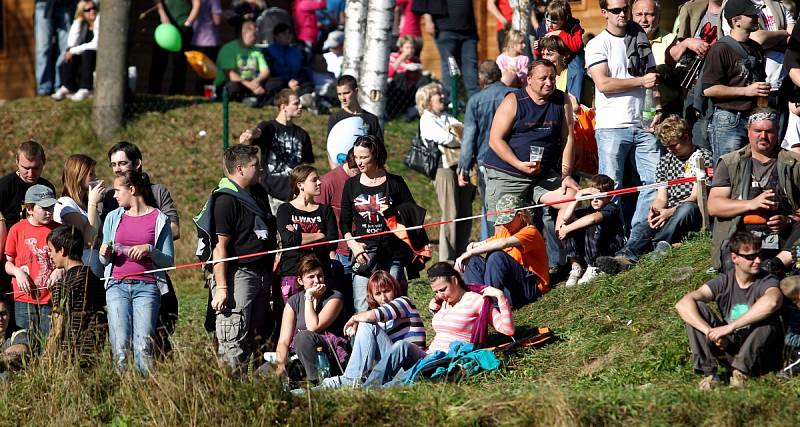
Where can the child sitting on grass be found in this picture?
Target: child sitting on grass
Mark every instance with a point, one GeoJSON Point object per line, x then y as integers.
{"type": "Point", "coordinates": [591, 231]}
{"type": "Point", "coordinates": [29, 263]}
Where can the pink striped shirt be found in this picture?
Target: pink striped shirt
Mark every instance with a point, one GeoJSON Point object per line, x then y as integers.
{"type": "Point", "coordinates": [455, 323]}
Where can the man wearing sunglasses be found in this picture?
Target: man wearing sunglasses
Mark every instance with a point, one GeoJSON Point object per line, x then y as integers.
{"type": "Point", "coordinates": [757, 189]}
{"type": "Point", "coordinates": [749, 337]}
{"type": "Point", "coordinates": [621, 64]}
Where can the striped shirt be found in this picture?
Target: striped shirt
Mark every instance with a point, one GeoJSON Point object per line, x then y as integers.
{"type": "Point", "coordinates": [400, 319]}
{"type": "Point", "coordinates": [455, 323]}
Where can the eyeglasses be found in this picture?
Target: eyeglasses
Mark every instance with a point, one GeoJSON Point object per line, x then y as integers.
{"type": "Point", "coordinates": [121, 163]}
{"type": "Point", "coordinates": [750, 257]}
{"type": "Point", "coordinates": [89, 9]}
{"type": "Point", "coordinates": [618, 10]}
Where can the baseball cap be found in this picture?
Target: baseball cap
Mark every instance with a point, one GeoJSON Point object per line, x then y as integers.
{"type": "Point", "coordinates": [335, 39]}
{"type": "Point", "coordinates": [506, 202]}
{"type": "Point", "coordinates": [40, 195]}
{"type": "Point", "coordinates": [739, 8]}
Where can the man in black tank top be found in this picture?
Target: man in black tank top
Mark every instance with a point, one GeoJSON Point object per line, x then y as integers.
{"type": "Point", "coordinates": [531, 131]}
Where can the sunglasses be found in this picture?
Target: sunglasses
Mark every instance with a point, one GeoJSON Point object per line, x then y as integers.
{"type": "Point", "coordinates": [90, 9]}
{"type": "Point", "coordinates": [618, 10]}
{"type": "Point", "coordinates": [750, 257]}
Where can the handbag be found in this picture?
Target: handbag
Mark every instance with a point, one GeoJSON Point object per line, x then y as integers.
{"type": "Point", "coordinates": [423, 157]}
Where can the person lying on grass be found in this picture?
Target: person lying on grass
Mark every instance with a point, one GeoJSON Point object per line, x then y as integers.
{"type": "Point", "coordinates": [456, 311]}
{"type": "Point", "coordinates": [391, 320]}
{"type": "Point", "coordinates": [311, 319]}
{"type": "Point", "coordinates": [749, 339]}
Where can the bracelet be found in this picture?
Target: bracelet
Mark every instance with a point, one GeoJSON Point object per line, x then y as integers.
{"type": "Point", "coordinates": [308, 298]}
{"type": "Point", "coordinates": [223, 286]}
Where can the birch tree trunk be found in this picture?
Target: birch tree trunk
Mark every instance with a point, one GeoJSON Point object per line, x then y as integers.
{"type": "Point", "coordinates": [375, 65]}
{"type": "Point", "coordinates": [111, 72]}
{"type": "Point", "coordinates": [519, 20]}
{"type": "Point", "coordinates": [355, 27]}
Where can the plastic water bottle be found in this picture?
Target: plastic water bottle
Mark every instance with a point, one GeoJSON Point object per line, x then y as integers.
{"type": "Point", "coordinates": [649, 109]}
{"type": "Point", "coordinates": [323, 367]}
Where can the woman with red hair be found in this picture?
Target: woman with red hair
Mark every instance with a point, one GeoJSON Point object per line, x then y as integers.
{"type": "Point", "coordinates": [392, 319]}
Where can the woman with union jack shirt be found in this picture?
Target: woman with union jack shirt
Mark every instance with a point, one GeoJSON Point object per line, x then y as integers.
{"type": "Point", "coordinates": [367, 200]}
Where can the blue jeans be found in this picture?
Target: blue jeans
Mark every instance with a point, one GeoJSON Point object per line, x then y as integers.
{"type": "Point", "coordinates": [487, 227]}
{"type": "Point", "coordinates": [132, 313]}
{"type": "Point", "coordinates": [49, 56]}
{"type": "Point", "coordinates": [395, 269]}
{"type": "Point", "coordinates": [500, 271]}
{"type": "Point", "coordinates": [371, 344]}
{"type": "Point", "coordinates": [615, 148]}
{"type": "Point", "coordinates": [727, 131]}
{"type": "Point", "coordinates": [35, 318]}
{"type": "Point", "coordinates": [544, 220]}
{"type": "Point", "coordinates": [465, 50]}
{"type": "Point", "coordinates": [686, 218]}
{"type": "Point", "coordinates": [401, 355]}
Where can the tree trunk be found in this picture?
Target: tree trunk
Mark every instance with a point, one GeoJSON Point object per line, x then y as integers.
{"type": "Point", "coordinates": [109, 85]}
{"type": "Point", "coordinates": [355, 27]}
{"type": "Point", "coordinates": [521, 16]}
{"type": "Point", "coordinates": [375, 66]}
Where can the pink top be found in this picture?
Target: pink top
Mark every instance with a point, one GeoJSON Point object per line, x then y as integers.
{"type": "Point", "coordinates": [520, 62]}
{"type": "Point", "coordinates": [410, 25]}
{"type": "Point", "coordinates": [402, 68]}
{"type": "Point", "coordinates": [305, 19]}
{"type": "Point", "coordinates": [132, 231]}
{"type": "Point", "coordinates": [455, 323]}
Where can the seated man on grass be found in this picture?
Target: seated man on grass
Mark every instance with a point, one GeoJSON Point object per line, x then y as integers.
{"type": "Point", "coordinates": [749, 338]}
{"type": "Point", "coordinates": [674, 212]}
{"type": "Point", "coordinates": [757, 189]}
{"type": "Point", "coordinates": [516, 256]}
{"type": "Point", "coordinates": [242, 68]}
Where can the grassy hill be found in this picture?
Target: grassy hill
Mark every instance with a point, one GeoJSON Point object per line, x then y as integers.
{"type": "Point", "coordinates": [621, 357]}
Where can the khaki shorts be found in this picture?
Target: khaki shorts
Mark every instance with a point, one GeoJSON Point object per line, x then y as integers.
{"type": "Point", "coordinates": [529, 190]}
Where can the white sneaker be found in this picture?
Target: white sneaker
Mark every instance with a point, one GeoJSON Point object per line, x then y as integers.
{"type": "Point", "coordinates": [574, 275]}
{"type": "Point", "coordinates": [81, 95]}
{"type": "Point", "coordinates": [60, 94]}
{"type": "Point", "coordinates": [590, 274]}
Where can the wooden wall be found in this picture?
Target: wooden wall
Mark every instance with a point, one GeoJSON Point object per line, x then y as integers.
{"type": "Point", "coordinates": [17, 63]}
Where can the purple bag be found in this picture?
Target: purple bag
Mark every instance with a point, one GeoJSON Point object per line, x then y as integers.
{"type": "Point", "coordinates": [480, 331]}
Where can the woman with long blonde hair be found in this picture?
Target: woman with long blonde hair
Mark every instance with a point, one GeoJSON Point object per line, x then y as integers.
{"type": "Point", "coordinates": [81, 194]}
{"type": "Point", "coordinates": [77, 68]}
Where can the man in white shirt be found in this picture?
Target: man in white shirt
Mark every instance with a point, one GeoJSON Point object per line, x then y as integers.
{"type": "Point", "coordinates": [619, 98]}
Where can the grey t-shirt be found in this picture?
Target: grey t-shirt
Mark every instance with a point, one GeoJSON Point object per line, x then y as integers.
{"type": "Point", "coordinates": [297, 303]}
{"type": "Point", "coordinates": [734, 301]}
{"type": "Point", "coordinates": [708, 25]}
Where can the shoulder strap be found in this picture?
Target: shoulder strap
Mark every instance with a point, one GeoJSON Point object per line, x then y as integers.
{"type": "Point", "coordinates": [730, 41]}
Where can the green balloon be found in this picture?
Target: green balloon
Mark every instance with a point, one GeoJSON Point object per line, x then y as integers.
{"type": "Point", "coordinates": [168, 37]}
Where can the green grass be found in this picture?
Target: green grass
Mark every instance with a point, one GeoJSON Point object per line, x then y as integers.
{"type": "Point", "coordinates": [621, 357]}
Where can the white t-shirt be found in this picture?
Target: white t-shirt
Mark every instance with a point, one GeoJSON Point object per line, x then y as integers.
{"type": "Point", "coordinates": [91, 257]}
{"type": "Point", "coordinates": [66, 206]}
{"type": "Point", "coordinates": [617, 110]}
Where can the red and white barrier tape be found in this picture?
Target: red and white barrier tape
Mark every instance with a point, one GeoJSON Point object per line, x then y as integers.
{"type": "Point", "coordinates": [611, 193]}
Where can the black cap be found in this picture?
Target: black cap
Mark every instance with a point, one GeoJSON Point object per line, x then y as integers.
{"type": "Point", "coordinates": [739, 8]}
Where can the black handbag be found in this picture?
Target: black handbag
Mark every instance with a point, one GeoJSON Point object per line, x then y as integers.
{"type": "Point", "coordinates": [423, 157]}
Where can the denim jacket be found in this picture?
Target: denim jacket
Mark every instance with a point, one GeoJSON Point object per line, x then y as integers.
{"type": "Point", "coordinates": [477, 123]}
{"type": "Point", "coordinates": [162, 253]}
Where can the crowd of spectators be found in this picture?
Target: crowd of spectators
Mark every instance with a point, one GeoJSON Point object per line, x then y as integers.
{"type": "Point", "coordinates": [713, 93]}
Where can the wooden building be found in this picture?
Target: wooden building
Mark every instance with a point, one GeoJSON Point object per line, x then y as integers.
{"type": "Point", "coordinates": [17, 62]}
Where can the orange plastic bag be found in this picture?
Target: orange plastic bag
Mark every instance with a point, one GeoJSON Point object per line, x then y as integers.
{"type": "Point", "coordinates": [202, 65]}
{"type": "Point", "coordinates": [585, 144]}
